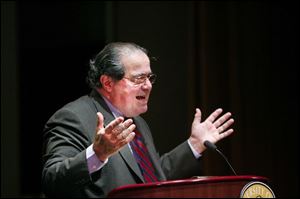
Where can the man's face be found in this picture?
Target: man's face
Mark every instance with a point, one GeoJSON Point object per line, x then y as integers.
{"type": "Point", "coordinates": [131, 98]}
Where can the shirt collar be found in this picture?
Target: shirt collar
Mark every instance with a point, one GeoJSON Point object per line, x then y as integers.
{"type": "Point", "coordinates": [112, 108]}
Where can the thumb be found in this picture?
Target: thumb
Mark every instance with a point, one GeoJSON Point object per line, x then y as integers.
{"type": "Point", "coordinates": [198, 114]}
{"type": "Point", "coordinates": [100, 121]}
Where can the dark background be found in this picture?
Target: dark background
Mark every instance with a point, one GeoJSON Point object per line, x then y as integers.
{"type": "Point", "coordinates": [241, 56]}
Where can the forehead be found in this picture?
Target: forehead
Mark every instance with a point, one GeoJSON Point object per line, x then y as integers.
{"type": "Point", "coordinates": [136, 62]}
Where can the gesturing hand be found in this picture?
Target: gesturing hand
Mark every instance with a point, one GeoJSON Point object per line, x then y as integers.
{"type": "Point", "coordinates": [113, 137]}
{"type": "Point", "coordinates": [211, 129]}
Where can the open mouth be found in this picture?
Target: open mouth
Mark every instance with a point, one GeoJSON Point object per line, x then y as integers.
{"type": "Point", "coordinates": [140, 97]}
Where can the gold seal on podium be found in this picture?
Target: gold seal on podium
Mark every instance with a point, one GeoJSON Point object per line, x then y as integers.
{"type": "Point", "coordinates": [257, 190]}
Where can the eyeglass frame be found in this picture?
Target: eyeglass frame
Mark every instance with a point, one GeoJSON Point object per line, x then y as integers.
{"type": "Point", "coordinates": [141, 78]}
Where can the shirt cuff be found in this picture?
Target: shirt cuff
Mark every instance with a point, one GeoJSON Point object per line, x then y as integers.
{"type": "Point", "coordinates": [94, 164]}
{"type": "Point", "coordinates": [196, 154]}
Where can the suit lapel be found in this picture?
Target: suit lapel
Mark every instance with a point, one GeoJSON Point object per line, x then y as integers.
{"type": "Point", "coordinates": [125, 152]}
{"type": "Point", "coordinates": [102, 107]}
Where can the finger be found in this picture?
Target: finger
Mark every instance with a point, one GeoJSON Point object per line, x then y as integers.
{"type": "Point", "coordinates": [197, 117]}
{"type": "Point", "coordinates": [113, 124]}
{"type": "Point", "coordinates": [225, 134]}
{"type": "Point", "coordinates": [126, 132]}
{"type": "Point", "coordinates": [225, 125]}
{"type": "Point", "coordinates": [100, 121]}
{"type": "Point", "coordinates": [214, 115]}
{"type": "Point", "coordinates": [127, 123]}
{"type": "Point", "coordinates": [128, 139]}
{"type": "Point", "coordinates": [222, 119]}
{"type": "Point", "coordinates": [129, 136]}
{"type": "Point", "coordinates": [121, 127]}
{"type": "Point", "coordinates": [118, 130]}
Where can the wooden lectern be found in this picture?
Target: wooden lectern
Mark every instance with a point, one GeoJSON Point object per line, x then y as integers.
{"type": "Point", "coordinates": [200, 187]}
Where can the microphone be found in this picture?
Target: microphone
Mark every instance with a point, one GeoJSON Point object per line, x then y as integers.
{"type": "Point", "coordinates": [213, 147]}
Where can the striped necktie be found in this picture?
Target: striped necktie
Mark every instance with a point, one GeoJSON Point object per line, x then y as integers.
{"type": "Point", "coordinates": [141, 155]}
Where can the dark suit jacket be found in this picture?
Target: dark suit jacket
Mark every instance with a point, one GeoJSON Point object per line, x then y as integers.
{"type": "Point", "coordinates": [71, 130]}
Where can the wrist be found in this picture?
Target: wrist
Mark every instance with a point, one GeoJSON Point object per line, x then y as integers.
{"type": "Point", "coordinates": [197, 145]}
{"type": "Point", "coordinates": [101, 156]}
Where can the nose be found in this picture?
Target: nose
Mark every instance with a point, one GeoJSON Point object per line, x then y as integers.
{"type": "Point", "coordinates": [147, 85]}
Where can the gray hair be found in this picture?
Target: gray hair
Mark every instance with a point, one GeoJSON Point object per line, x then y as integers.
{"type": "Point", "coordinates": [108, 62]}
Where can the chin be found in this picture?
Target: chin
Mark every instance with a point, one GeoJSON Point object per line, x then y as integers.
{"type": "Point", "coordinates": [144, 110]}
{"type": "Point", "coordinates": [141, 111]}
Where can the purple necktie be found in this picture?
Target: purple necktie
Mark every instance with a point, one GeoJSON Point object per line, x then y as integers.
{"type": "Point", "coordinates": [141, 155]}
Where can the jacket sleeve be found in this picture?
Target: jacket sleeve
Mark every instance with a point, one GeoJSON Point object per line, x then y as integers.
{"type": "Point", "coordinates": [65, 167]}
{"type": "Point", "coordinates": [180, 163]}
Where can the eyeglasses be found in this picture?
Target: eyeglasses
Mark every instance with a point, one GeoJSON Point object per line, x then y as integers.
{"type": "Point", "coordinates": [141, 79]}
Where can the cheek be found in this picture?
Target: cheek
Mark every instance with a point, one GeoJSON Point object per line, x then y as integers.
{"type": "Point", "coordinates": [127, 95]}
{"type": "Point", "coordinates": [127, 99]}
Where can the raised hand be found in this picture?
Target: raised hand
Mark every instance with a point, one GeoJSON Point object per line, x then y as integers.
{"type": "Point", "coordinates": [212, 129]}
{"type": "Point", "coordinates": [113, 137]}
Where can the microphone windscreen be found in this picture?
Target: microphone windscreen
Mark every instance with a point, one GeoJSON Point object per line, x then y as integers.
{"type": "Point", "coordinates": [210, 145]}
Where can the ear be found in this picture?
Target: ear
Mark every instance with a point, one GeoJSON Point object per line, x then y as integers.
{"type": "Point", "coordinates": [107, 82]}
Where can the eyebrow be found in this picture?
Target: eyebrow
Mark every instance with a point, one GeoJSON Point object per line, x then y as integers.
{"type": "Point", "coordinates": [142, 74]}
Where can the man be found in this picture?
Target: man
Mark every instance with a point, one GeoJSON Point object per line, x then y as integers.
{"type": "Point", "coordinates": [91, 146]}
